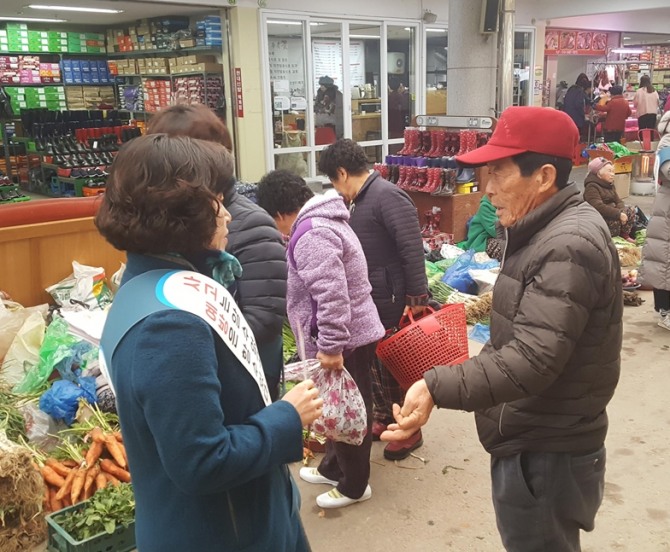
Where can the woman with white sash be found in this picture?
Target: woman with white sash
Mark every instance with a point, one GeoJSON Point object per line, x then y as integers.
{"type": "Point", "coordinates": [206, 448]}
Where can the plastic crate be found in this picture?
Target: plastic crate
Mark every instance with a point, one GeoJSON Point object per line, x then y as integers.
{"type": "Point", "coordinates": [122, 540]}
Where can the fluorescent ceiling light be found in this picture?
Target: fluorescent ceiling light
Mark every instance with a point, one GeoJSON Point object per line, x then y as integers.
{"type": "Point", "coordinates": [363, 36]}
{"type": "Point", "coordinates": [629, 51]}
{"type": "Point", "coordinates": [626, 38]}
{"type": "Point", "coordinates": [436, 30]}
{"type": "Point", "coordinates": [293, 23]}
{"type": "Point", "coordinates": [32, 19]}
{"type": "Point", "coordinates": [72, 8]}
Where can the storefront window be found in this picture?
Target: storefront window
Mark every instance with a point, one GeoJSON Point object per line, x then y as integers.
{"type": "Point", "coordinates": [288, 84]}
{"type": "Point", "coordinates": [364, 80]}
{"type": "Point", "coordinates": [436, 71]}
{"type": "Point", "coordinates": [523, 45]}
{"type": "Point", "coordinates": [316, 97]}
{"type": "Point", "coordinates": [402, 81]}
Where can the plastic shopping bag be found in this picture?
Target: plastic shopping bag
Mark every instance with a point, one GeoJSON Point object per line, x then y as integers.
{"type": "Point", "coordinates": [344, 417]}
{"type": "Point", "coordinates": [24, 351]}
{"type": "Point", "coordinates": [61, 400]}
{"type": "Point", "coordinates": [85, 288]}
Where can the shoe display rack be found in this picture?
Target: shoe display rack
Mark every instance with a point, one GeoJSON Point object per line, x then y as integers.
{"type": "Point", "coordinates": [10, 192]}
{"type": "Point", "coordinates": [426, 162]}
{"type": "Point", "coordinates": [74, 149]}
{"type": "Point", "coordinates": [446, 195]}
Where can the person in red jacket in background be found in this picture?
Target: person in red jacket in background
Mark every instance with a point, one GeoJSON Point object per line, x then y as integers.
{"type": "Point", "coordinates": [618, 111]}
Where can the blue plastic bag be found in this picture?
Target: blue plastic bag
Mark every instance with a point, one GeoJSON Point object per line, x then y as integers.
{"type": "Point", "coordinates": [458, 276]}
{"type": "Point", "coordinates": [61, 400]}
{"type": "Point", "coordinates": [480, 333]}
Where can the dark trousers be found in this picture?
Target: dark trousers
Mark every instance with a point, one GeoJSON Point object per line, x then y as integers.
{"type": "Point", "coordinates": [385, 392]}
{"type": "Point", "coordinates": [612, 135]}
{"type": "Point", "coordinates": [646, 121]}
{"type": "Point", "coordinates": [542, 500]}
{"type": "Point", "coordinates": [618, 228]}
{"type": "Point", "coordinates": [350, 464]}
{"type": "Point", "coordinates": [661, 300]}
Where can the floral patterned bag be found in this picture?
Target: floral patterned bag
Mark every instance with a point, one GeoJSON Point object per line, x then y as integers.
{"type": "Point", "coordinates": [344, 417]}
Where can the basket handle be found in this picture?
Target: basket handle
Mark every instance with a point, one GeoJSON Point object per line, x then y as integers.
{"type": "Point", "coordinates": [408, 319]}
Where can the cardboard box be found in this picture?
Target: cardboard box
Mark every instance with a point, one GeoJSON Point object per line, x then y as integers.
{"type": "Point", "coordinates": [622, 184]}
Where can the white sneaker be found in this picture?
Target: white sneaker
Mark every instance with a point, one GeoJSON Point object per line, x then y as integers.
{"type": "Point", "coordinates": [312, 475]}
{"type": "Point", "coordinates": [665, 322]}
{"type": "Point", "coordinates": [335, 499]}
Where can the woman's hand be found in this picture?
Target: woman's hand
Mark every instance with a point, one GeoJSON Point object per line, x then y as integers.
{"type": "Point", "coordinates": [330, 362]}
{"type": "Point", "coordinates": [623, 218]}
{"type": "Point", "coordinates": [305, 398]}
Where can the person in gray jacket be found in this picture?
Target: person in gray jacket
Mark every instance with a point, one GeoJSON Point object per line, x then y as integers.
{"type": "Point", "coordinates": [386, 222]}
{"type": "Point", "coordinates": [655, 269]}
{"type": "Point", "coordinates": [254, 240]}
{"type": "Point", "coordinates": [541, 385]}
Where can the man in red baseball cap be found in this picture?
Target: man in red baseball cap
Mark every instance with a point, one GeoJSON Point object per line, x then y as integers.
{"type": "Point", "coordinates": [539, 388]}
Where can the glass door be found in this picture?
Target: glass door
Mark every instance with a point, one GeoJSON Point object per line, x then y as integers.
{"type": "Point", "coordinates": [401, 48]}
{"type": "Point", "coordinates": [522, 89]}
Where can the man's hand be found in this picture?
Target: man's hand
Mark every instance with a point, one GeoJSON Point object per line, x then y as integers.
{"type": "Point", "coordinates": [413, 414]}
{"type": "Point", "coordinates": [417, 310]}
{"type": "Point", "coordinates": [330, 362]}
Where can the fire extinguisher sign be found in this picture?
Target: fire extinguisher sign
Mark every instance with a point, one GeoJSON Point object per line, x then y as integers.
{"type": "Point", "coordinates": [239, 99]}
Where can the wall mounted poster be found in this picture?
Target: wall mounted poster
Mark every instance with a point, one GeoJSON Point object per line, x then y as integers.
{"type": "Point", "coordinates": [575, 43]}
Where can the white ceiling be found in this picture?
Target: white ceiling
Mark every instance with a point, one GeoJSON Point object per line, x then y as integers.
{"type": "Point", "coordinates": [132, 11]}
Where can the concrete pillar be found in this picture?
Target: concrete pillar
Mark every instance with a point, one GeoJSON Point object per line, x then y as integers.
{"type": "Point", "coordinates": [471, 62]}
{"type": "Point", "coordinates": [506, 69]}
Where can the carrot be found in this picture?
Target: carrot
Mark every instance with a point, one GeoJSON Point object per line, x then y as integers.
{"type": "Point", "coordinates": [97, 435]}
{"type": "Point", "coordinates": [51, 477]}
{"type": "Point", "coordinates": [78, 485]}
{"type": "Point", "coordinates": [93, 453]}
{"type": "Point", "coordinates": [66, 501]}
{"type": "Point", "coordinates": [118, 436]}
{"type": "Point", "coordinates": [67, 486]}
{"type": "Point", "coordinates": [100, 481]}
{"type": "Point", "coordinates": [110, 467]}
{"type": "Point", "coordinates": [58, 467]}
{"type": "Point", "coordinates": [91, 474]}
{"type": "Point", "coordinates": [54, 503]}
{"type": "Point", "coordinates": [69, 463]}
{"type": "Point", "coordinates": [122, 448]}
{"type": "Point", "coordinates": [111, 479]}
{"type": "Point", "coordinates": [47, 496]}
{"type": "Point", "coordinates": [115, 450]}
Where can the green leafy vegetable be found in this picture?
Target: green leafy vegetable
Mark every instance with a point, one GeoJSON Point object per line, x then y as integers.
{"type": "Point", "coordinates": [108, 509]}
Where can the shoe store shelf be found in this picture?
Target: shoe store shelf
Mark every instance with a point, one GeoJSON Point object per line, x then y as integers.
{"type": "Point", "coordinates": [140, 53]}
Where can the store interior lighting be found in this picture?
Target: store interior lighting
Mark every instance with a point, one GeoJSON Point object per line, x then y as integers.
{"type": "Point", "coordinates": [33, 19]}
{"type": "Point", "coordinates": [72, 8]}
{"type": "Point", "coordinates": [363, 36]}
{"type": "Point", "coordinates": [628, 51]}
{"type": "Point", "coordinates": [292, 23]}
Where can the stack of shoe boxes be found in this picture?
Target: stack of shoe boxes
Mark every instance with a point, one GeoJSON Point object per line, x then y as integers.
{"type": "Point", "coordinates": [213, 31]}
{"type": "Point", "coordinates": [9, 70]}
{"type": "Point", "coordinates": [47, 97]}
{"type": "Point", "coordinates": [50, 72]}
{"type": "Point", "coordinates": [97, 97]}
{"type": "Point", "coordinates": [86, 71]}
{"type": "Point", "coordinates": [194, 64]}
{"type": "Point", "coordinates": [17, 37]}
{"type": "Point", "coordinates": [157, 94]}
{"type": "Point", "coordinates": [29, 69]}
{"type": "Point", "coordinates": [75, 97]}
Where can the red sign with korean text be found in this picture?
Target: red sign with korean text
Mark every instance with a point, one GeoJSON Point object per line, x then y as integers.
{"type": "Point", "coordinates": [239, 98]}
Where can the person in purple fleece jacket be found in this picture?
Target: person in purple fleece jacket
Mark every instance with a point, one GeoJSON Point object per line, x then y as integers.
{"type": "Point", "coordinates": [330, 306]}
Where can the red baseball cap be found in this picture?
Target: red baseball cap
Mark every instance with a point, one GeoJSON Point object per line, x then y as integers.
{"type": "Point", "coordinates": [521, 129]}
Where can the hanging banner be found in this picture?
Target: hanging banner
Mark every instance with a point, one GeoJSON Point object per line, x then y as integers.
{"type": "Point", "coordinates": [239, 98]}
{"type": "Point", "coordinates": [574, 43]}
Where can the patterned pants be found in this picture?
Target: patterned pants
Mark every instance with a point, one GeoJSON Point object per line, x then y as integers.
{"type": "Point", "coordinates": [385, 392]}
{"type": "Point", "coordinates": [617, 228]}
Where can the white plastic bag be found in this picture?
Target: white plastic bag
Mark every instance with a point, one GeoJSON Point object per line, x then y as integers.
{"type": "Point", "coordinates": [85, 288]}
{"type": "Point", "coordinates": [24, 351]}
{"type": "Point", "coordinates": [12, 317]}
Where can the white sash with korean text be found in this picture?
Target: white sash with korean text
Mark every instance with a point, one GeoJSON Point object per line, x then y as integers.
{"type": "Point", "coordinates": [200, 295]}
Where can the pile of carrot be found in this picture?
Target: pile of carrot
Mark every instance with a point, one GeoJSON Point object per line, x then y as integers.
{"type": "Point", "coordinates": [75, 479]}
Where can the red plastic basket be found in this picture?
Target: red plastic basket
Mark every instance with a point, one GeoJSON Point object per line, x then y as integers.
{"type": "Point", "coordinates": [439, 338]}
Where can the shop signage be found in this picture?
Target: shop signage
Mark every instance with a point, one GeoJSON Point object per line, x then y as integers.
{"type": "Point", "coordinates": [574, 43]}
{"type": "Point", "coordinates": [239, 98]}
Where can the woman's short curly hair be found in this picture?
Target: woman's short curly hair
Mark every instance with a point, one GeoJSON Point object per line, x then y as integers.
{"type": "Point", "coordinates": [162, 193]}
{"type": "Point", "coordinates": [345, 154]}
{"type": "Point", "coordinates": [282, 192]}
